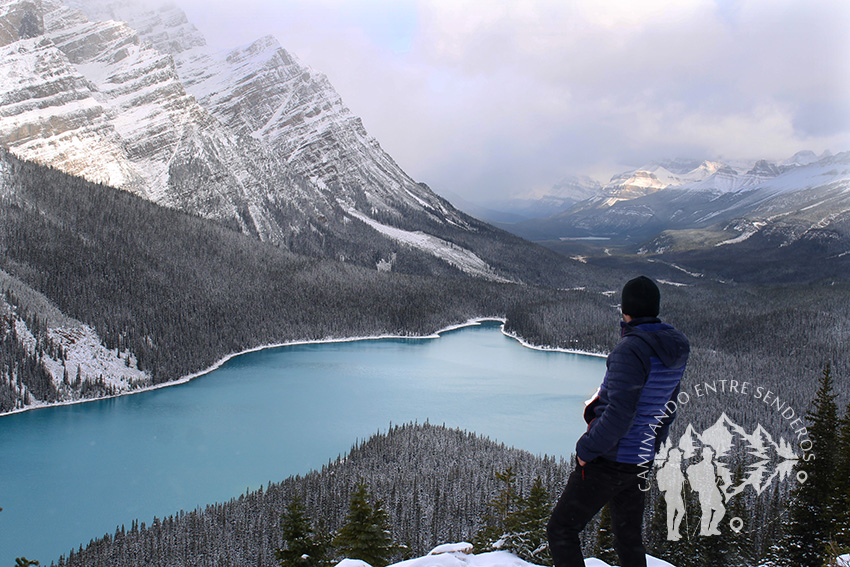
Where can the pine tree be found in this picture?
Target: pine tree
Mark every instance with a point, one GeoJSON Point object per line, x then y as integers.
{"type": "Point", "coordinates": [812, 514]}
{"type": "Point", "coordinates": [301, 546]}
{"type": "Point", "coordinates": [365, 535]}
{"type": "Point", "coordinates": [605, 538]}
{"type": "Point", "coordinates": [495, 525]}
{"type": "Point", "coordinates": [842, 483]}
{"type": "Point", "coordinates": [527, 526]}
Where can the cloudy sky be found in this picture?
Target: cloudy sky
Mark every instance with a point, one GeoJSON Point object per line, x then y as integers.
{"type": "Point", "coordinates": [491, 98]}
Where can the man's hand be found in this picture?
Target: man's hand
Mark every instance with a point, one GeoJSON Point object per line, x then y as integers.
{"type": "Point", "coordinates": [580, 462]}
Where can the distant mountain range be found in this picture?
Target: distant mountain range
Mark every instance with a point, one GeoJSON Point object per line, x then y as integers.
{"type": "Point", "coordinates": [709, 213]}
{"type": "Point", "coordinates": [573, 200]}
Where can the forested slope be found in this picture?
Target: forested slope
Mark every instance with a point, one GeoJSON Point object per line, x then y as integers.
{"type": "Point", "coordinates": [434, 483]}
{"type": "Point", "coordinates": [778, 336]}
{"type": "Point", "coordinates": [175, 292]}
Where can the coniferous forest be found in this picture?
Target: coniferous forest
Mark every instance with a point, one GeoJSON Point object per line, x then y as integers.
{"type": "Point", "coordinates": [439, 485]}
{"type": "Point", "coordinates": [180, 292]}
{"type": "Point", "coordinates": [172, 293]}
{"type": "Point", "coordinates": [433, 483]}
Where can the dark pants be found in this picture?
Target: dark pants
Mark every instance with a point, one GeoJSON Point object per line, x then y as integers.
{"type": "Point", "coordinates": [588, 489]}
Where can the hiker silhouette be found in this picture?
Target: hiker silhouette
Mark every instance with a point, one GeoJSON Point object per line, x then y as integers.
{"type": "Point", "coordinates": [702, 477]}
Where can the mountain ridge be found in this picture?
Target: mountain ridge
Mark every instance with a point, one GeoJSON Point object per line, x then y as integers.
{"type": "Point", "coordinates": [792, 214]}
{"type": "Point", "coordinates": [714, 176]}
{"type": "Point", "coordinates": [250, 137]}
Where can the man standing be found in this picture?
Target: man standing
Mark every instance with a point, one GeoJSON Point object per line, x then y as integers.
{"type": "Point", "coordinates": [627, 423]}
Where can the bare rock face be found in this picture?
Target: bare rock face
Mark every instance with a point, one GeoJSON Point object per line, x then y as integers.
{"type": "Point", "coordinates": [49, 113]}
{"type": "Point", "coordinates": [95, 100]}
{"type": "Point", "coordinates": [165, 26]}
{"type": "Point", "coordinates": [20, 20]}
{"type": "Point", "coordinates": [146, 103]}
{"type": "Point", "coordinates": [261, 91]}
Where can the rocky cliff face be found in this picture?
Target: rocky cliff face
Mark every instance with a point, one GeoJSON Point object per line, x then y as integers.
{"type": "Point", "coordinates": [94, 100]}
{"type": "Point", "coordinates": [21, 20]}
{"type": "Point", "coordinates": [48, 109]}
{"type": "Point", "coordinates": [261, 91]}
{"type": "Point", "coordinates": [132, 97]}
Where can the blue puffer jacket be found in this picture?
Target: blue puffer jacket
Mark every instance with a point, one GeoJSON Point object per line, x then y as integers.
{"type": "Point", "coordinates": [625, 422]}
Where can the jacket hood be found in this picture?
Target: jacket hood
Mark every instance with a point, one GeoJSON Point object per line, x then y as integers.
{"type": "Point", "coordinates": [669, 344]}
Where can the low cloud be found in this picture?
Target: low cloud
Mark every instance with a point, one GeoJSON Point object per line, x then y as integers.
{"type": "Point", "coordinates": [488, 99]}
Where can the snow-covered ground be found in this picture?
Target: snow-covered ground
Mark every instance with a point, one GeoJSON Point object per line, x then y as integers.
{"type": "Point", "coordinates": [459, 555]}
{"type": "Point", "coordinates": [84, 355]}
{"type": "Point", "coordinates": [457, 256]}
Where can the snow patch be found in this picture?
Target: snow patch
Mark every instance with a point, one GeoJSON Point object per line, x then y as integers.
{"type": "Point", "coordinates": [84, 350]}
{"type": "Point", "coordinates": [420, 201]}
{"type": "Point", "coordinates": [462, 547]}
{"type": "Point", "coordinates": [692, 274]}
{"type": "Point", "coordinates": [739, 238]}
{"type": "Point", "coordinates": [84, 355]}
{"type": "Point", "coordinates": [490, 559]}
{"type": "Point", "coordinates": [674, 284]}
{"type": "Point", "coordinates": [457, 256]}
{"type": "Point", "coordinates": [352, 563]}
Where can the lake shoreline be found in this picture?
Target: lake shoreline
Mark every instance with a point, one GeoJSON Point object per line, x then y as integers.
{"type": "Point", "coordinates": [221, 362]}
{"type": "Point", "coordinates": [272, 415]}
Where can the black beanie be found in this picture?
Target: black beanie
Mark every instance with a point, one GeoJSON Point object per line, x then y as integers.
{"type": "Point", "coordinates": [640, 298]}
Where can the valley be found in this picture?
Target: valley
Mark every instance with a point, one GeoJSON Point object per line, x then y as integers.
{"type": "Point", "coordinates": [759, 224]}
{"type": "Point", "coordinates": [164, 205]}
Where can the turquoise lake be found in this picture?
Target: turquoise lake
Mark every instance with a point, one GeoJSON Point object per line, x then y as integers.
{"type": "Point", "coordinates": [72, 473]}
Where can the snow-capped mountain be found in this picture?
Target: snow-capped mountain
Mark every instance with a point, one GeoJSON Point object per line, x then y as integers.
{"type": "Point", "coordinates": [711, 176]}
{"type": "Point", "coordinates": [649, 179]}
{"type": "Point", "coordinates": [784, 204]}
{"type": "Point", "coordinates": [643, 203]}
{"type": "Point", "coordinates": [119, 93]}
{"type": "Point", "coordinates": [804, 157]}
{"type": "Point", "coordinates": [262, 92]}
{"type": "Point", "coordinates": [748, 221]}
{"type": "Point", "coordinates": [93, 99]}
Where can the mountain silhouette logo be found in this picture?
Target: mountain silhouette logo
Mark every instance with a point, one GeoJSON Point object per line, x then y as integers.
{"type": "Point", "coordinates": [697, 460]}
